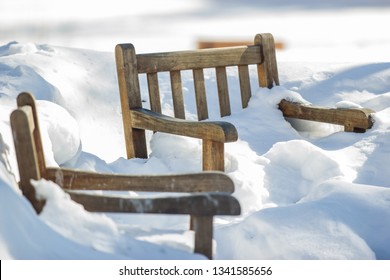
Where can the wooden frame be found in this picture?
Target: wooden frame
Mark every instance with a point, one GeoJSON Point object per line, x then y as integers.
{"type": "Point", "coordinates": [213, 134]}
{"type": "Point", "coordinates": [210, 191]}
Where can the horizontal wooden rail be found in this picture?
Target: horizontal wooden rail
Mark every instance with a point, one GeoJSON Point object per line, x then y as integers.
{"type": "Point", "coordinates": [206, 44]}
{"type": "Point", "coordinates": [198, 182]}
{"type": "Point", "coordinates": [196, 59]}
{"type": "Point", "coordinates": [203, 204]}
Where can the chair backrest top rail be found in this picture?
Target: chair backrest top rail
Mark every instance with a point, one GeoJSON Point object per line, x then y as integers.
{"type": "Point", "coordinates": [198, 59]}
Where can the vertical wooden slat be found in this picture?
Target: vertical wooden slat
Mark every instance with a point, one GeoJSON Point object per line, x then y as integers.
{"type": "Point", "coordinates": [154, 92]}
{"type": "Point", "coordinates": [130, 96]}
{"type": "Point", "coordinates": [223, 91]}
{"type": "Point", "coordinates": [177, 94]}
{"type": "Point", "coordinates": [200, 93]}
{"type": "Point", "coordinates": [245, 85]}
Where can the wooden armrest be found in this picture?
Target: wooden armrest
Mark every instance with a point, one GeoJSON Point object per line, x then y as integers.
{"type": "Point", "coordinates": [355, 119]}
{"type": "Point", "coordinates": [205, 204]}
{"type": "Point", "coordinates": [197, 182]}
{"type": "Point", "coordinates": [211, 130]}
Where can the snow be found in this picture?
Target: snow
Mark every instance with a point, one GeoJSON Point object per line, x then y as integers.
{"type": "Point", "coordinates": [307, 190]}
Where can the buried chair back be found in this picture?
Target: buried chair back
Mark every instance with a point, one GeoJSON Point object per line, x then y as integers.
{"type": "Point", "coordinates": [209, 192]}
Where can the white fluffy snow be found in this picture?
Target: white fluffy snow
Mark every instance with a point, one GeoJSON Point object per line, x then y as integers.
{"type": "Point", "coordinates": [316, 193]}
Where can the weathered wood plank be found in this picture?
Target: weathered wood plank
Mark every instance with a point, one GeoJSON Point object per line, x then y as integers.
{"type": "Point", "coordinates": [212, 130]}
{"type": "Point", "coordinates": [26, 154]}
{"type": "Point", "coordinates": [128, 75]}
{"type": "Point", "coordinates": [177, 94]}
{"type": "Point", "coordinates": [351, 119]}
{"type": "Point", "coordinates": [25, 101]}
{"type": "Point", "coordinates": [213, 153]}
{"type": "Point", "coordinates": [203, 204]}
{"type": "Point", "coordinates": [245, 85]}
{"type": "Point", "coordinates": [267, 71]}
{"type": "Point", "coordinates": [130, 97]}
{"type": "Point", "coordinates": [154, 92]}
{"type": "Point", "coordinates": [206, 58]}
{"type": "Point", "coordinates": [223, 91]}
{"type": "Point", "coordinates": [83, 180]}
{"type": "Point", "coordinates": [207, 44]}
{"type": "Point", "coordinates": [203, 226]}
{"type": "Point", "coordinates": [203, 44]}
{"type": "Point", "coordinates": [200, 94]}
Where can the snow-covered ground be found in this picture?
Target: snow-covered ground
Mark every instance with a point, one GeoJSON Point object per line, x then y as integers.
{"type": "Point", "coordinates": [317, 193]}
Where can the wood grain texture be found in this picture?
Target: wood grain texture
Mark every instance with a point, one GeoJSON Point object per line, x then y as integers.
{"type": "Point", "coordinates": [195, 182]}
{"type": "Point", "coordinates": [351, 119]}
{"type": "Point", "coordinates": [22, 126]}
{"type": "Point", "coordinates": [245, 85]}
{"type": "Point", "coordinates": [130, 97]}
{"type": "Point", "coordinates": [268, 70]}
{"type": "Point", "coordinates": [203, 226]}
{"type": "Point", "coordinates": [217, 131]}
{"type": "Point", "coordinates": [223, 91]}
{"type": "Point", "coordinates": [200, 94]}
{"type": "Point", "coordinates": [154, 92]}
{"type": "Point", "coordinates": [203, 204]}
{"type": "Point", "coordinates": [213, 155]}
{"type": "Point", "coordinates": [206, 44]}
{"type": "Point", "coordinates": [196, 59]}
{"type": "Point", "coordinates": [177, 95]}
{"type": "Point", "coordinates": [24, 101]}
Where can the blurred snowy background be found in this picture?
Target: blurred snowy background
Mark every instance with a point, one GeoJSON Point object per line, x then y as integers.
{"type": "Point", "coordinates": [311, 30]}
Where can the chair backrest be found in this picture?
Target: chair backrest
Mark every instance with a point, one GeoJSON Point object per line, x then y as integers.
{"type": "Point", "coordinates": [28, 147]}
{"type": "Point", "coordinates": [130, 65]}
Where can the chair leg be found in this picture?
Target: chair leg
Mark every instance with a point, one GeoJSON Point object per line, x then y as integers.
{"type": "Point", "coordinates": [203, 227]}
{"type": "Point", "coordinates": [213, 155]}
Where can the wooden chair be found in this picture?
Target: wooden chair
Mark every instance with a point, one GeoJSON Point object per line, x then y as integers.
{"type": "Point", "coordinates": [210, 191]}
{"type": "Point", "coordinates": [213, 134]}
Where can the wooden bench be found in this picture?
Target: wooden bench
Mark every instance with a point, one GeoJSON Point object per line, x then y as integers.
{"type": "Point", "coordinates": [213, 134]}
{"type": "Point", "coordinates": [210, 191]}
